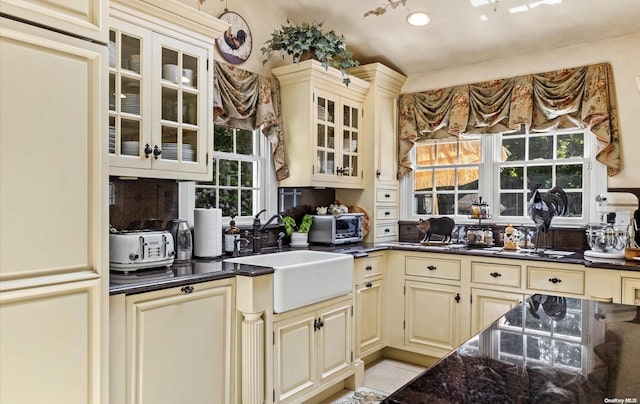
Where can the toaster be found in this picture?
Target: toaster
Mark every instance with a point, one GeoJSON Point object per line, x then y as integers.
{"type": "Point", "coordinates": [139, 249]}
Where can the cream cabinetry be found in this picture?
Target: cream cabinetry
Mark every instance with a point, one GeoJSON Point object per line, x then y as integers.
{"type": "Point", "coordinates": [84, 18]}
{"type": "Point", "coordinates": [53, 212]}
{"type": "Point", "coordinates": [160, 90]}
{"type": "Point", "coordinates": [368, 277]}
{"type": "Point", "coordinates": [313, 347]}
{"type": "Point", "coordinates": [489, 305]}
{"type": "Point", "coordinates": [322, 126]}
{"type": "Point", "coordinates": [179, 345]}
{"type": "Point", "coordinates": [380, 194]}
{"type": "Point", "coordinates": [631, 291]}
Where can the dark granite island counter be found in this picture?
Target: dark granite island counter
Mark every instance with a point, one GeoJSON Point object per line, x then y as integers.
{"type": "Point", "coordinates": [545, 350]}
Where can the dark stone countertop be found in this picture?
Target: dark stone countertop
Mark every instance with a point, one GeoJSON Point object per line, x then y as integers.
{"type": "Point", "coordinates": [204, 270]}
{"type": "Point", "coordinates": [547, 349]}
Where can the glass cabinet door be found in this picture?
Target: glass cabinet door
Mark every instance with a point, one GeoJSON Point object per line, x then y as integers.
{"type": "Point", "coordinates": [350, 133]}
{"type": "Point", "coordinates": [326, 134]}
{"type": "Point", "coordinates": [181, 125]}
{"type": "Point", "coordinates": [125, 95]}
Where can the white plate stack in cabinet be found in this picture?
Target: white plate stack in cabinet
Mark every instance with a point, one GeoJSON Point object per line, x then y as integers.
{"type": "Point", "coordinates": [53, 202]}
{"type": "Point", "coordinates": [380, 194]}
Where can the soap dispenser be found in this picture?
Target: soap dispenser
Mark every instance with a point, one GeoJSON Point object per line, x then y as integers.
{"type": "Point", "coordinates": [230, 236]}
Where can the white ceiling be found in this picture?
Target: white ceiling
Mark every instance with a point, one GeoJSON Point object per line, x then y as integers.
{"type": "Point", "coordinates": [456, 35]}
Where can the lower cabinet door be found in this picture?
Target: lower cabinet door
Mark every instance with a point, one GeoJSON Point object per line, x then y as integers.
{"type": "Point", "coordinates": [631, 291]}
{"type": "Point", "coordinates": [50, 344]}
{"type": "Point", "coordinates": [179, 345]}
{"type": "Point", "coordinates": [369, 317]}
{"type": "Point", "coordinates": [488, 305]}
{"type": "Point", "coordinates": [334, 340]}
{"type": "Point", "coordinates": [432, 317]}
{"type": "Point", "coordinates": [294, 356]}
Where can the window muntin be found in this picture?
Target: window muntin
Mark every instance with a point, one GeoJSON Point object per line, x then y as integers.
{"type": "Point", "coordinates": [237, 164]}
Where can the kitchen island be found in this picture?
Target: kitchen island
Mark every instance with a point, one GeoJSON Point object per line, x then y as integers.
{"type": "Point", "coordinates": [546, 349]}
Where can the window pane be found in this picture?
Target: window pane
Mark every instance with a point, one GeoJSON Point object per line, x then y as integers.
{"type": "Point", "coordinates": [570, 326]}
{"type": "Point", "coordinates": [464, 203]}
{"type": "Point", "coordinates": [513, 149]}
{"type": "Point", "coordinates": [246, 204]}
{"type": "Point", "coordinates": [227, 172]}
{"type": "Point", "coordinates": [568, 354]}
{"type": "Point", "coordinates": [423, 204]}
{"type": "Point", "coordinates": [539, 349]}
{"type": "Point", "coordinates": [228, 202]}
{"type": "Point", "coordinates": [222, 139]}
{"type": "Point", "coordinates": [322, 109]}
{"type": "Point", "coordinates": [346, 116]}
{"type": "Point", "coordinates": [423, 180]}
{"type": "Point", "coordinates": [468, 178]}
{"type": "Point", "coordinates": [541, 147]}
{"type": "Point", "coordinates": [205, 198]}
{"type": "Point", "coordinates": [539, 175]}
{"type": "Point", "coordinates": [445, 179]}
{"type": "Point", "coordinates": [244, 142]}
{"type": "Point", "coordinates": [470, 151]}
{"type": "Point", "coordinates": [247, 173]}
{"type": "Point", "coordinates": [511, 177]}
{"type": "Point", "coordinates": [511, 204]}
{"type": "Point", "coordinates": [425, 154]}
{"type": "Point", "coordinates": [569, 176]}
{"type": "Point", "coordinates": [321, 136]}
{"type": "Point", "coordinates": [511, 343]}
{"type": "Point", "coordinates": [571, 145]}
{"type": "Point", "coordinates": [445, 204]}
{"type": "Point", "coordinates": [331, 107]}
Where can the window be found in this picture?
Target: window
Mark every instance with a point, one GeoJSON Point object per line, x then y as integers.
{"type": "Point", "coordinates": [450, 175]}
{"type": "Point", "coordinates": [523, 340]}
{"type": "Point", "coordinates": [242, 180]}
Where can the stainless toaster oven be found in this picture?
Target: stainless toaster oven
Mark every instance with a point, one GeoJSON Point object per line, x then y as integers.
{"type": "Point", "coordinates": [336, 229]}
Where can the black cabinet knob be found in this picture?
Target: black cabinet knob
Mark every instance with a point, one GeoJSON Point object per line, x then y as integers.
{"type": "Point", "coordinates": [495, 274]}
{"type": "Point", "coordinates": [432, 267]}
{"type": "Point", "coordinates": [147, 150]}
{"type": "Point", "coordinates": [156, 152]}
{"type": "Point", "coordinates": [368, 268]}
{"type": "Point", "coordinates": [555, 280]}
{"type": "Point", "coordinates": [187, 289]}
{"type": "Point", "coordinates": [368, 284]}
{"type": "Point", "coordinates": [457, 298]}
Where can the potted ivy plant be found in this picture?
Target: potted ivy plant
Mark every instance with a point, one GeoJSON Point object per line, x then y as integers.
{"type": "Point", "coordinates": [307, 40]}
{"type": "Point", "coordinates": [298, 233]}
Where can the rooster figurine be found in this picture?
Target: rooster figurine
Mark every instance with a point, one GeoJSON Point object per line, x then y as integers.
{"type": "Point", "coordinates": [542, 209]}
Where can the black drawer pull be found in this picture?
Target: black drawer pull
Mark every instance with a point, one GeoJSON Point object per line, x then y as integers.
{"type": "Point", "coordinates": [368, 284]}
{"type": "Point", "coordinates": [387, 230]}
{"type": "Point", "coordinates": [368, 268]}
{"type": "Point", "coordinates": [495, 274]}
{"type": "Point", "coordinates": [387, 213]}
{"type": "Point", "coordinates": [187, 289]}
{"type": "Point", "coordinates": [432, 267]}
{"type": "Point", "coordinates": [387, 195]}
{"type": "Point", "coordinates": [555, 280]}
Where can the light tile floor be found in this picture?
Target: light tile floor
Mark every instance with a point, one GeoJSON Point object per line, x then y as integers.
{"type": "Point", "coordinates": [384, 376]}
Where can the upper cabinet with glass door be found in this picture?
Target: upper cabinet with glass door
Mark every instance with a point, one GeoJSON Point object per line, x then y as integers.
{"type": "Point", "coordinates": [160, 92]}
{"type": "Point", "coordinates": [323, 126]}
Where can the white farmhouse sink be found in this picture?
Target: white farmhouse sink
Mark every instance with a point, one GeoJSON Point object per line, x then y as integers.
{"type": "Point", "coordinates": [304, 277]}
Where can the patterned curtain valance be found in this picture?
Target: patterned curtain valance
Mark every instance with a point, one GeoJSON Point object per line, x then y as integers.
{"type": "Point", "coordinates": [583, 97]}
{"type": "Point", "coordinates": [246, 100]}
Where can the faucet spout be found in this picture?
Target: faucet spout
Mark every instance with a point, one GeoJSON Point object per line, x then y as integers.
{"type": "Point", "coordinates": [256, 232]}
{"type": "Point", "coordinates": [271, 219]}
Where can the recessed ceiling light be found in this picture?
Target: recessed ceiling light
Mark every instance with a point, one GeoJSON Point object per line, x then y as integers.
{"type": "Point", "coordinates": [418, 19]}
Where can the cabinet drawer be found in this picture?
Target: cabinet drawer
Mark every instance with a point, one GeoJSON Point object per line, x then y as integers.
{"type": "Point", "coordinates": [389, 195]}
{"type": "Point", "coordinates": [367, 268]}
{"type": "Point", "coordinates": [433, 268]}
{"type": "Point", "coordinates": [495, 274]}
{"type": "Point", "coordinates": [387, 212]}
{"type": "Point", "coordinates": [386, 229]}
{"type": "Point", "coordinates": [555, 280]}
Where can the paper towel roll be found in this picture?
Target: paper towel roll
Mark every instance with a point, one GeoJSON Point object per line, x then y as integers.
{"type": "Point", "coordinates": [207, 232]}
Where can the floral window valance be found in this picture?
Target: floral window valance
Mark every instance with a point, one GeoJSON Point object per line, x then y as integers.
{"type": "Point", "coordinates": [583, 97]}
{"type": "Point", "coordinates": [246, 100]}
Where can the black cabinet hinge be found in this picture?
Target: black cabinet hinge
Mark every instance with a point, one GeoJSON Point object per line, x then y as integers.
{"type": "Point", "coordinates": [274, 338]}
{"type": "Point", "coordinates": [404, 324]}
{"type": "Point", "coordinates": [404, 291]}
{"type": "Point", "coordinates": [351, 356]}
{"type": "Point", "coordinates": [470, 299]}
{"type": "Point", "coordinates": [351, 311]}
{"type": "Point", "coordinates": [274, 395]}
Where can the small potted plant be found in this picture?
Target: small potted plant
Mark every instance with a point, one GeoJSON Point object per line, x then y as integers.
{"type": "Point", "coordinates": [299, 234]}
{"type": "Point", "coordinates": [305, 41]}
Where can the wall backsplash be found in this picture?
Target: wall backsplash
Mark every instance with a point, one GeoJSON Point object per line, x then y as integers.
{"type": "Point", "coordinates": [142, 203]}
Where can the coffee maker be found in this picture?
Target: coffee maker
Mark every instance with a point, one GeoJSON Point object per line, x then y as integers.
{"type": "Point", "coordinates": [616, 230]}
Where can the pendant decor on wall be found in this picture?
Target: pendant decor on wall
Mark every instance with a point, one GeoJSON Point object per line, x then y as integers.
{"type": "Point", "coordinates": [236, 42]}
